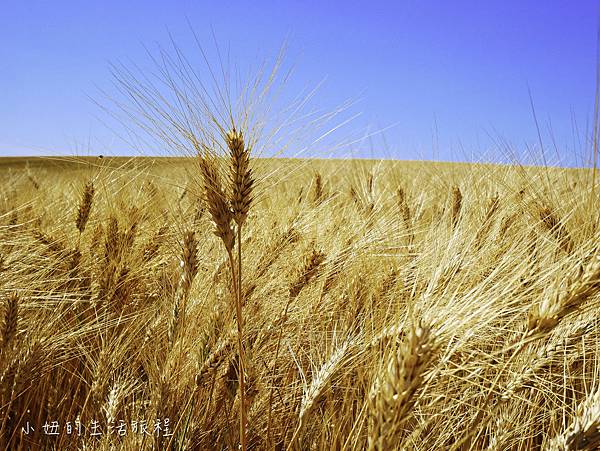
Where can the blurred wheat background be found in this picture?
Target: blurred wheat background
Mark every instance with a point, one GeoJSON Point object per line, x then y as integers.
{"type": "Point", "coordinates": [386, 305]}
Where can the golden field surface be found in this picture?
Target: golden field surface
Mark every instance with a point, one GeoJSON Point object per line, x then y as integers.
{"type": "Point", "coordinates": [385, 304]}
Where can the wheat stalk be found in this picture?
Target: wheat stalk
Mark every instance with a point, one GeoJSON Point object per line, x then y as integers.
{"type": "Point", "coordinates": [486, 225]}
{"type": "Point", "coordinates": [406, 215]}
{"type": "Point", "coordinates": [9, 321]}
{"type": "Point", "coordinates": [240, 200]}
{"type": "Point", "coordinates": [216, 201]}
{"type": "Point", "coordinates": [215, 358]}
{"type": "Point", "coordinates": [456, 205]}
{"type": "Point", "coordinates": [584, 431]}
{"type": "Point", "coordinates": [319, 383]}
{"type": "Point", "coordinates": [544, 316]}
{"type": "Point", "coordinates": [552, 224]}
{"type": "Point", "coordinates": [224, 210]}
{"type": "Point", "coordinates": [189, 269]}
{"type": "Point", "coordinates": [85, 206]}
{"type": "Point", "coordinates": [309, 270]}
{"type": "Point", "coordinates": [393, 393]}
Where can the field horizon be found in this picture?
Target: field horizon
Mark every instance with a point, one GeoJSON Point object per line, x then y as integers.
{"type": "Point", "coordinates": [119, 160]}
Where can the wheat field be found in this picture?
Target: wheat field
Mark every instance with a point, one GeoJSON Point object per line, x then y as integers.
{"type": "Point", "coordinates": [384, 305]}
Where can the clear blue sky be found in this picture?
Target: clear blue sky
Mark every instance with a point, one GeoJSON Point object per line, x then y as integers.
{"type": "Point", "coordinates": [451, 76]}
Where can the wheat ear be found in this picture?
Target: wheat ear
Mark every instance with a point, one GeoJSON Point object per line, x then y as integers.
{"type": "Point", "coordinates": [393, 395]}
{"type": "Point", "coordinates": [553, 225]}
{"type": "Point", "coordinates": [216, 201]}
{"type": "Point", "coordinates": [456, 205]}
{"type": "Point", "coordinates": [308, 271]}
{"type": "Point", "coordinates": [319, 383]}
{"type": "Point", "coordinates": [85, 207]}
{"type": "Point", "coordinates": [240, 201]}
{"type": "Point", "coordinates": [584, 431]}
{"type": "Point", "coordinates": [10, 321]}
{"type": "Point", "coordinates": [546, 315]}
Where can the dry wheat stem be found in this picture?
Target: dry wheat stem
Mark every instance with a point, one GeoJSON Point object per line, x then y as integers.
{"type": "Point", "coordinates": [240, 201]}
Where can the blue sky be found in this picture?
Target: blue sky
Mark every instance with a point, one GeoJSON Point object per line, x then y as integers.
{"type": "Point", "coordinates": [450, 79]}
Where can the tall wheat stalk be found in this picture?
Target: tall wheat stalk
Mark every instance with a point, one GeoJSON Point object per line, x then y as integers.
{"type": "Point", "coordinates": [241, 198]}
{"type": "Point", "coordinates": [226, 207]}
